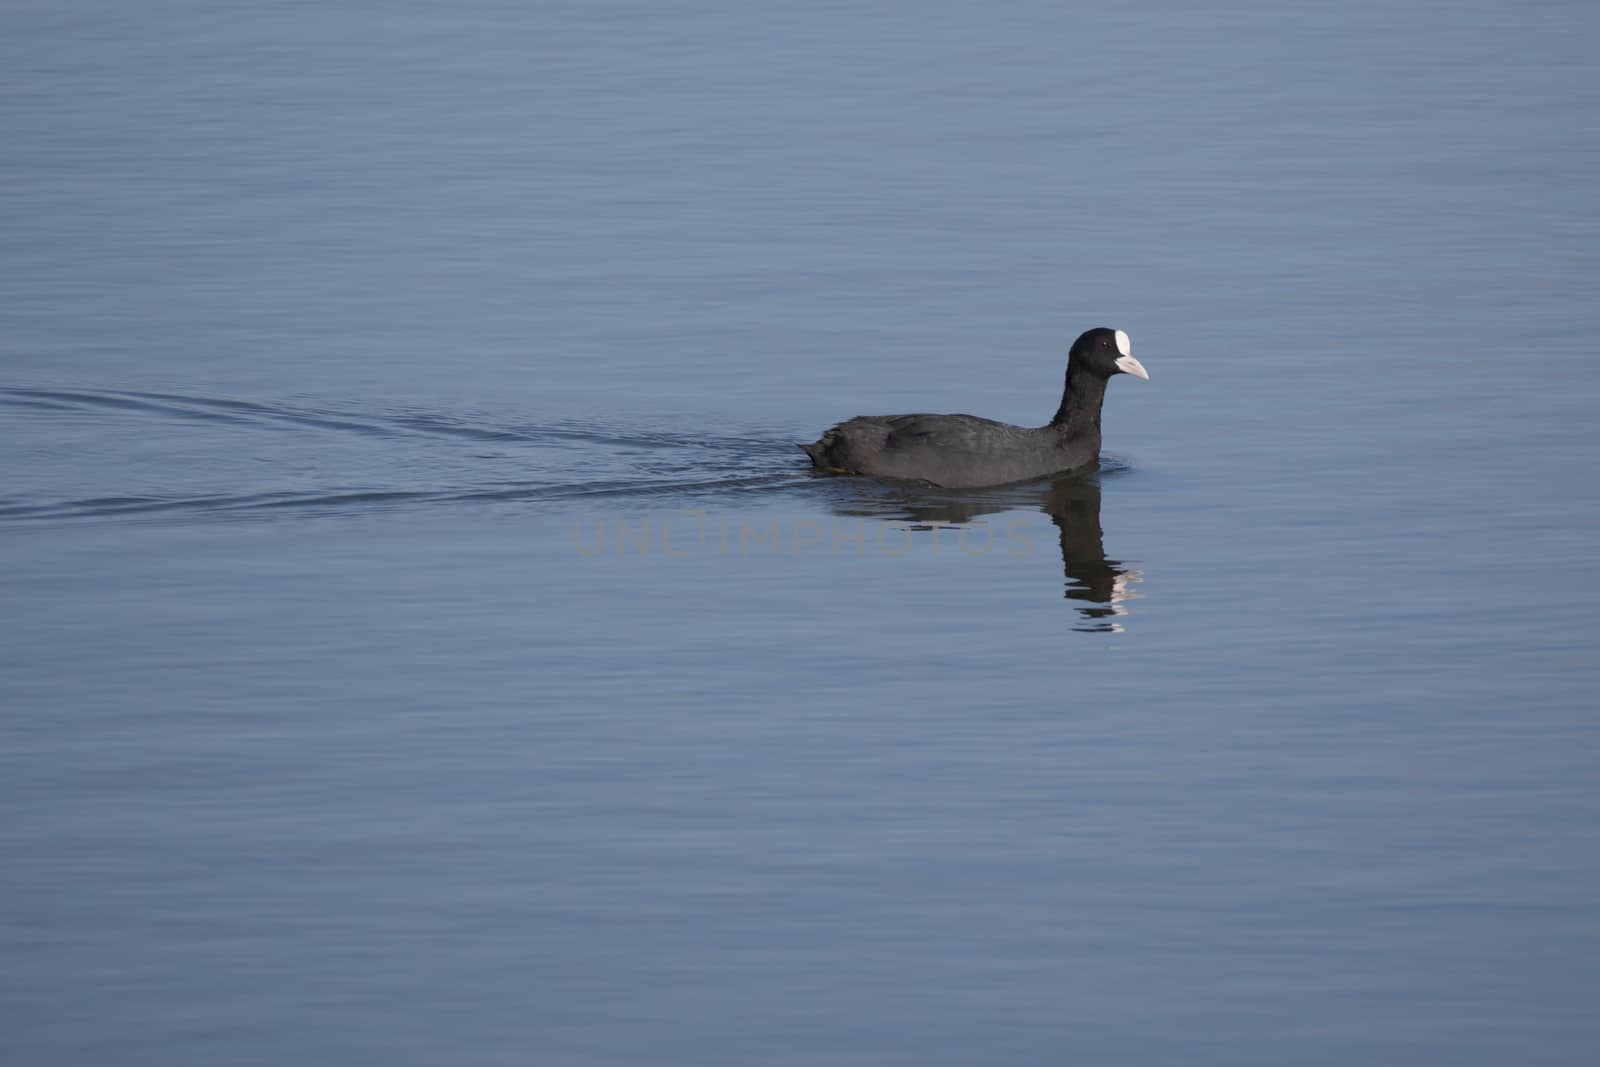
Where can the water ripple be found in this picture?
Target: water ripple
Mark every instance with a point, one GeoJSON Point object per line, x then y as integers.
{"type": "Point", "coordinates": [611, 460]}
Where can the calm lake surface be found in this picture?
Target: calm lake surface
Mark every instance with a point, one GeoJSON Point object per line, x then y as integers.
{"type": "Point", "coordinates": [422, 642]}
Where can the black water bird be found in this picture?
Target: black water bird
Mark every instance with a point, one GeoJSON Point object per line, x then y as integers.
{"type": "Point", "coordinates": [958, 451]}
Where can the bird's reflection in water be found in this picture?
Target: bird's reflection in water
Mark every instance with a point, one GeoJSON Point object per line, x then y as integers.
{"type": "Point", "coordinates": [1101, 587]}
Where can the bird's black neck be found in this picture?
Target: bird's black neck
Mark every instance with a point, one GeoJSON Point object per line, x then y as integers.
{"type": "Point", "coordinates": [1080, 403]}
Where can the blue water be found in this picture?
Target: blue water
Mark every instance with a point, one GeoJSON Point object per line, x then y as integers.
{"type": "Point", "coordinates": [423, 644]}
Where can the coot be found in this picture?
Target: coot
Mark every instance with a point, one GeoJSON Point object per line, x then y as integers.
{"type": "Point", "coordinates": [959, 451]}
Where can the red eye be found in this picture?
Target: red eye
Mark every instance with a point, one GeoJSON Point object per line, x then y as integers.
{"type": "Point", "coordinates": [1102, 342]}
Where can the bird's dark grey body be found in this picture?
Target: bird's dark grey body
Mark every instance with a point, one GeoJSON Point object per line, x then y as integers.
{"type": "Point", "coordinates": [956, 451]}
{"type": "Point", "coordinates": [960, 451]}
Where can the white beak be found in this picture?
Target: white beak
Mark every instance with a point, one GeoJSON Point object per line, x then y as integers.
{"type": "Point", "coordinates": [1129, 365]}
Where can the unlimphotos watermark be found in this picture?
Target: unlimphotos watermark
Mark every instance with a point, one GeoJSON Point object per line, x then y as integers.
{"type": "Point", "coordinates": [698, 532]}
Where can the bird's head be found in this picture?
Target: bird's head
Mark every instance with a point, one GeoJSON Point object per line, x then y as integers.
{"type": "Point", "coordinates": [1105, 352]}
